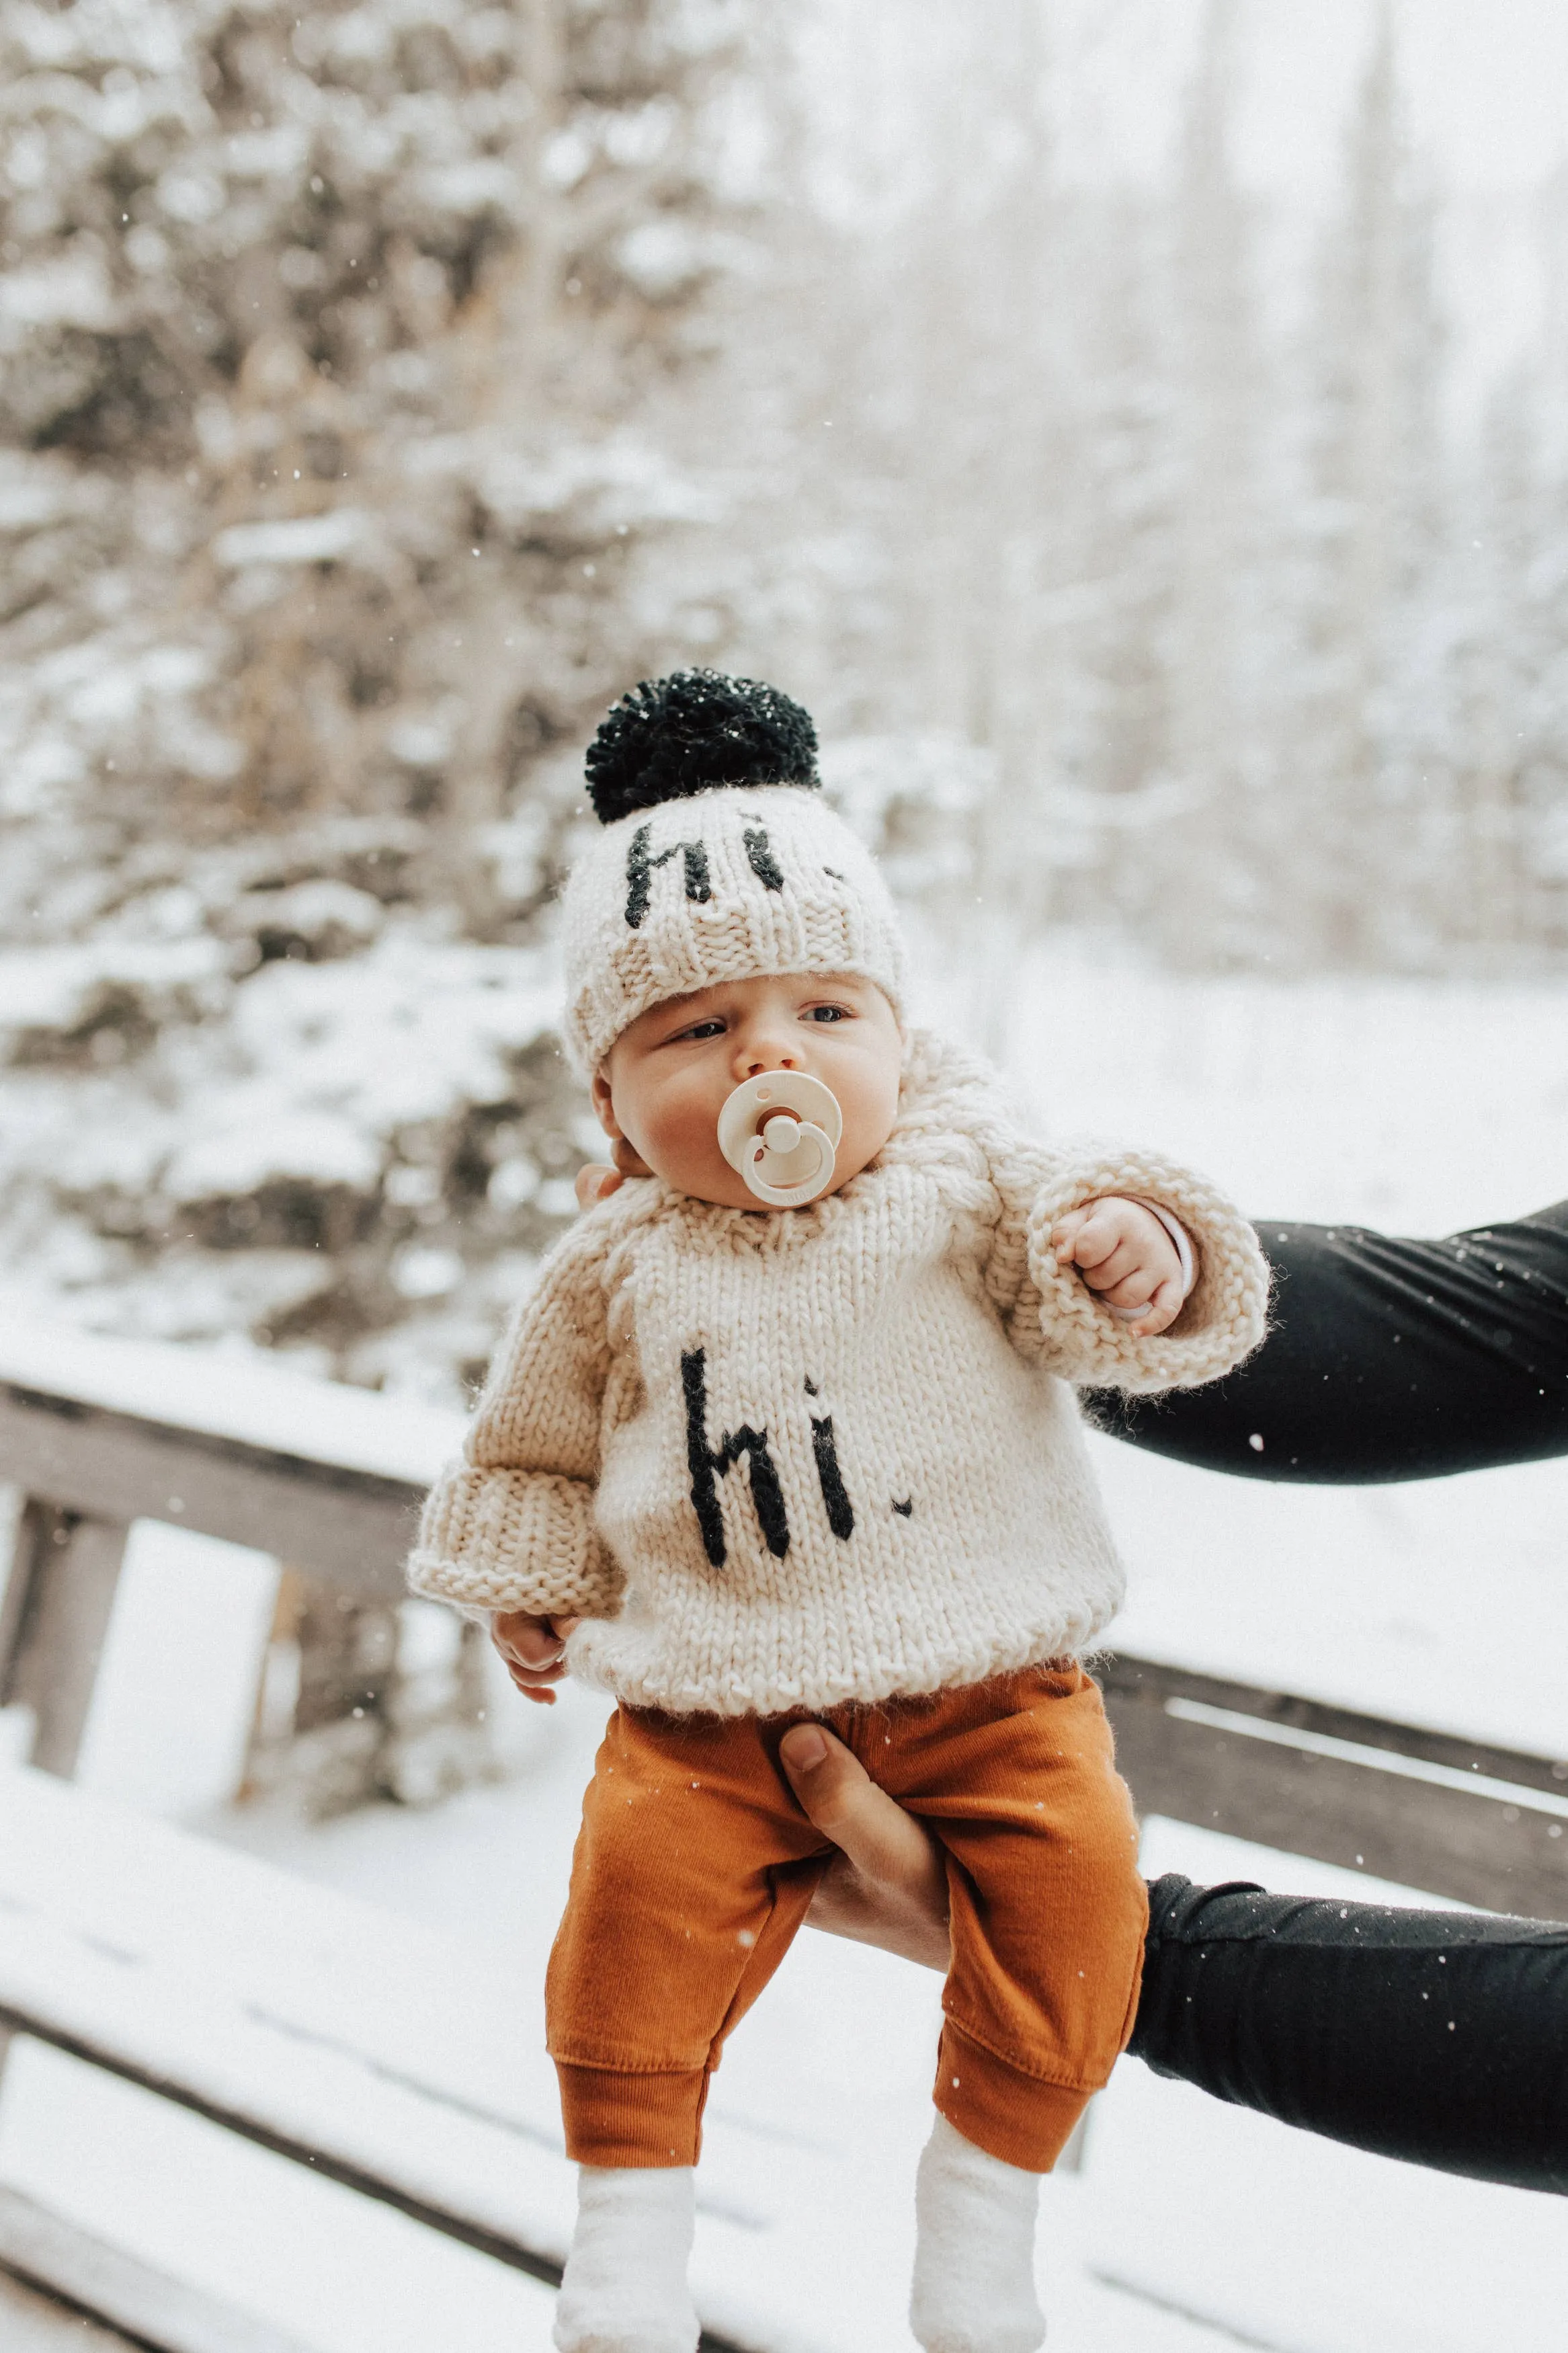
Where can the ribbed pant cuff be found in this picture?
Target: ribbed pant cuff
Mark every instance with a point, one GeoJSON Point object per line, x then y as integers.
{"type": "Point", "coordinates": [613, 2118]}
{"type": "Point", "coordinates": [1009, 2114]}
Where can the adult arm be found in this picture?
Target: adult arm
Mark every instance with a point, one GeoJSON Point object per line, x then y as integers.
{"type": "Point", "coordinates": [1437, 2037]}
{"type": "Point", "coordinates": [1440, 2038]}
{"type": "Point", "coordinates": [1385, 1359]}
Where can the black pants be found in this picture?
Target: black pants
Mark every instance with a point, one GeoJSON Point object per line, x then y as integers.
{"type": "Point", "coordinates": [1440, 2037]}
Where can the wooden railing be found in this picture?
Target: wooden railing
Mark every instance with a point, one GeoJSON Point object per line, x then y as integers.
{"type": "Point", "coordinates": [1486, 1826]}
{"type": "Point", "coordinates": [98, 1433]}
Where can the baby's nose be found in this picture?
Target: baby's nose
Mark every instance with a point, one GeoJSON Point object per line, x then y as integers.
{"type": "Point", "coordinates": [760, 1052]}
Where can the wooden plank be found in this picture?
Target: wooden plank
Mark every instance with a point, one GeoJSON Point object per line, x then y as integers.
{"type": "Point", "coordinates": [248, 2121]}
{"type": "Point", "coordinates": [1128, 1677]}
{"type": "Point", "coordinates": [64, 1575]}
{"type": "Point", "coordinates": [145, 2307]}
{"type": "Point", "coordinates": [376, 2052]}
{"type": "Point", "coordinates": [266, 1407]}
{"type": "Point", "coordinates": [382, 2183]}
{"type": "Point", "coordinates": [34, 2322]}
{"type": "Point", "coordinates": [1361, 1792]}
{"type": "Point", "coordinates": [346, 1528]}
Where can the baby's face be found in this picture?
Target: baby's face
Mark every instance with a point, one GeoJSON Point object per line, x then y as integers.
{"type": "Point", "coordinates": [666, 1079]}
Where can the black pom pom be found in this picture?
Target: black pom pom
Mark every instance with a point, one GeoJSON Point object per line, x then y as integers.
{"type": "Point", "coordinates": [692, 731]}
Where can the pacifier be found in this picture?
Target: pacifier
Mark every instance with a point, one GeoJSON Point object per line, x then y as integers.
{"type": "Point", "coordinates": [780, 1132]}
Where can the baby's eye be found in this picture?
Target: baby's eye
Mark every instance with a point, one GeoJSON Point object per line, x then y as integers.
{"type": "Point", "coordinates": [713, 1028]}
{"type": "Point", "coordinates": [827, 1013]}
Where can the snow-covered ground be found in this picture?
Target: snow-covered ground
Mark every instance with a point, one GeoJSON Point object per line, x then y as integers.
{"type": "Point", "coordinates": [30, 2324]}
{"type": "Point", "coordinates": [1190, 2227]}
{"type": "Point", "coordinates": [1416, 1107]}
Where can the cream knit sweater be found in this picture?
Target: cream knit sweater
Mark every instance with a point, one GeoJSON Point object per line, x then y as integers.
{"type": "Point", "coordinates": [781, 1460]}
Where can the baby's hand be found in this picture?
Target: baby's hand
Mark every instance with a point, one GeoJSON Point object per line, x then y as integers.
{"type": "Point", "coordinates": [1124, 1253]}
{"type": "Point", "coordinates": [535, 1650]}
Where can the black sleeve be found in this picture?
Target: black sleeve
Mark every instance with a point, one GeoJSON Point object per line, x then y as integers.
{"type": "Point", "coordinates": [1437, 2037]}
{"type": "Point", "coordinates": [1385, 1359]}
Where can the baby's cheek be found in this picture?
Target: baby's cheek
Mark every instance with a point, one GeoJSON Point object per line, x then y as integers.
{"type": "Point", "coordinates": [670, 1127]}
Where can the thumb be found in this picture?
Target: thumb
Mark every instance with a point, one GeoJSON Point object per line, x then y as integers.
{"type": "Point", "coordinates": [839, 1796]}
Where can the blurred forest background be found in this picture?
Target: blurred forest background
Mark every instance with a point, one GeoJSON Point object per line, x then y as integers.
{"type": "Point", "coordinates": [383, 388]}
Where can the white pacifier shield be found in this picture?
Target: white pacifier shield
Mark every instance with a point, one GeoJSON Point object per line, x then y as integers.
{"type": "Point", "coordinates": [780, 1133]}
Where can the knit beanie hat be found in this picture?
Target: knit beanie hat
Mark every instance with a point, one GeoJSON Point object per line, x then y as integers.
{"type": "Point", "coordinates": [719, 860]}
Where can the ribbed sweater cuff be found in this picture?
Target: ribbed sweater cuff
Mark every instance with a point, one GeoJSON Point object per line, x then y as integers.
{"type": "Point", "coordinates": [1223, 1320]}
{"type": "Point", "coordinates": [513, 1540]}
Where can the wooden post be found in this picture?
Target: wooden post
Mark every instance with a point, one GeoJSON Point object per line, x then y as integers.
{"type": "Point", "coordinates": [53, 1624]}
{"type": "Point", "coordinates": [345, 1715]}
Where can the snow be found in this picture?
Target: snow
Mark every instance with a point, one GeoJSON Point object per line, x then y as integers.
{"type": "Point", "coordinates": [310, 539]}
{"type": "Point", "coordinates": [1442, 1602]}
{"type": "Point", "coordinates": [291, 1131]}
{"type": "Point", "coordinates": [1418, 1105]}
{"type": "Point", "coordinates": [29, 2324]}
{"type": "Point", "coordinates": [340, 2274]}
{"type": "Point", "coordinates": [168, 1726]}
{"type": "Point", "coordinates": [74, 293]}
{"type": "Point", "coordinates": [228, 1394]}
{"type": "Point", "coordinates": [404, 1033]}
{"type": "Point", "coordinates": [57, 989]}
{"type": "Point", "coordinates": [314, 1145]}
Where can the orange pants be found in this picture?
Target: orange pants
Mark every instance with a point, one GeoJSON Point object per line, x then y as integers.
{"type": "Point", "coordinates": [695, 1867]}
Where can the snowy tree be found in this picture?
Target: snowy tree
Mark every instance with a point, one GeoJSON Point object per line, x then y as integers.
{"type": "Point", "coordinates": [1193, 572]}
{"type": "Point", "coordinates": [1373, 436]}
{"type": "Point", "coordinates": [1217, 377]}
{"type": "Point", "coordinates": [336, 309]}
{"type": "Point", "coordinates": [330, 349]}
{"type": "Point", "coordinates": [332, 343]}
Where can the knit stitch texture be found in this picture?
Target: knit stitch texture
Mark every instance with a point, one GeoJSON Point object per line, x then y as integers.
{"type": "Point", "coordinates": [785, 1460]}
{"type": "Point", "coordinates": [719, 886]}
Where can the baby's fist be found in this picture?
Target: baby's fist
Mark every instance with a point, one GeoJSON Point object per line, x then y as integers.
{"type": "Point", "coordinates": [1124, 1254]}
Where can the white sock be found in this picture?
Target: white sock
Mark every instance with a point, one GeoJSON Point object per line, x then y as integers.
{"type": "Point", "coordinates": [975, 2251]}
{"type": "Point", "coordinates": [624, 2287]}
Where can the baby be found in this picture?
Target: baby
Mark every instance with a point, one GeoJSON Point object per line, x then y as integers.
{"type": "Point", "coordinates": [787, 1428]}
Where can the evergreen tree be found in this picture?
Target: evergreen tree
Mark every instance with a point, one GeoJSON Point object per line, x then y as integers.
{"type": "Point", "coordinates": [329, 449]}
{"type": "Point", "coordinates": [1215, 408]}
{"type": "Point", "coordinates": [1374, 489]}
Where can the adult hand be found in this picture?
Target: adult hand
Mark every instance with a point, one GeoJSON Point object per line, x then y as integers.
{"type": "Point", "coordinates": [888, 1884]}
{"type": "Point", "coordinates": [535, 1650]}
{"type": "Point", "coordinates": [595, 1181]}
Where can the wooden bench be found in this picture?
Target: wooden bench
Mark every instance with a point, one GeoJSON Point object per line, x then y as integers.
{"type": "Point", "coordinates": [380, 2053]}
{"type": "Point", "coordinates": [226, 1988]}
